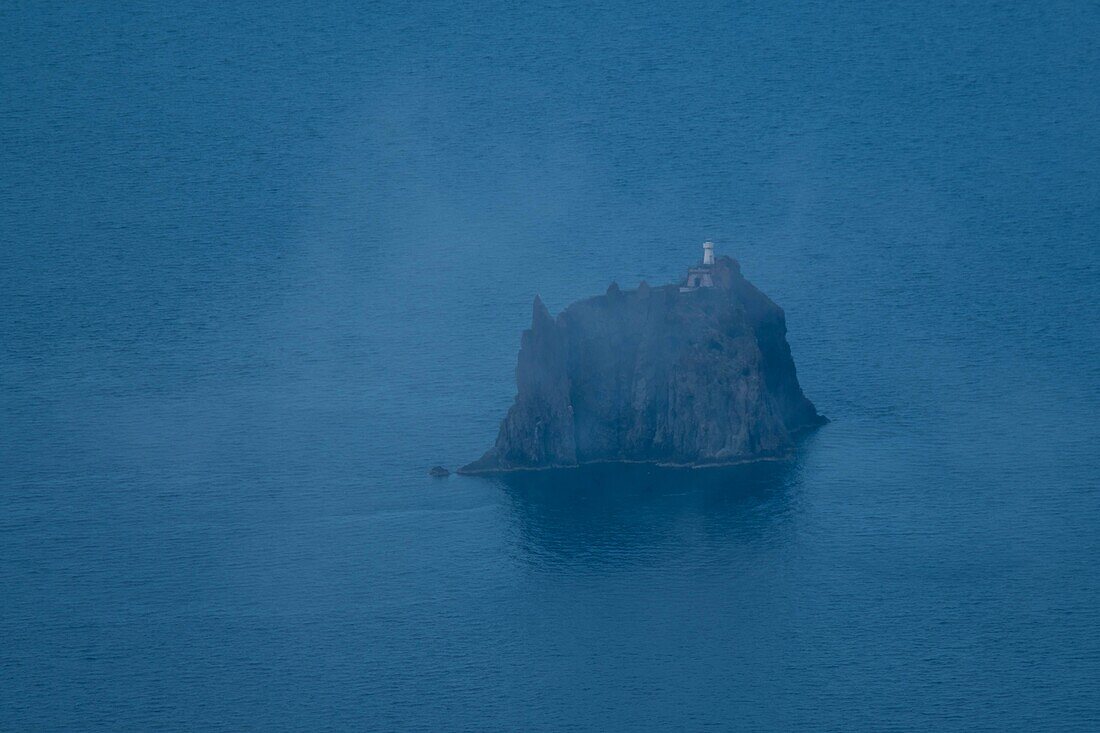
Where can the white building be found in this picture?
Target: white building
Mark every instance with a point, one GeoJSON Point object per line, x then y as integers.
{"type": "Point", "coordinates": [700, 275]}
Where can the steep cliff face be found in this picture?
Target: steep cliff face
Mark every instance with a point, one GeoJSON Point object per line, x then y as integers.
{"type": "Point", "coordinates": [657, 375]}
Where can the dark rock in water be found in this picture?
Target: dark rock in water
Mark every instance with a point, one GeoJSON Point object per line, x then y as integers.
{"type": "Point", "coordinates": [667, 375]}
{"type": "Point", "coordinates": [439, 472]}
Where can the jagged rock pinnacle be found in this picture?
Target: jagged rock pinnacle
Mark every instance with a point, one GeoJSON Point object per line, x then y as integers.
{"type": "Point", "coordinates": [654, 374]}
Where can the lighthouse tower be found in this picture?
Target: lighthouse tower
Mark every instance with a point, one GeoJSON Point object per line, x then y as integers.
{"type": "Point", "coordinates": [700, 276]}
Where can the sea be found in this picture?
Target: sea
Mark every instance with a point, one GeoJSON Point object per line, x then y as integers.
{"type": "Point", "coordinates": [262, 265]}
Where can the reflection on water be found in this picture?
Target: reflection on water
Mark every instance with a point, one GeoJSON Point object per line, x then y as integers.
{"type": "Point", "coordinates": [623, 512]}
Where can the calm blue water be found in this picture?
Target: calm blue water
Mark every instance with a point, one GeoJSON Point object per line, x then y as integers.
{"type": "Point", "coordinates": [260, 269]}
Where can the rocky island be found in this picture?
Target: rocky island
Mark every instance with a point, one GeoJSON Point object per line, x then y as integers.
{"type": "Point", "coordinates": [692, 374]}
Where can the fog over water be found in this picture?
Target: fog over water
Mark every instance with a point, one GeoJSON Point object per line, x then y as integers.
{"type": "Point", "coordinates": [259, 270]}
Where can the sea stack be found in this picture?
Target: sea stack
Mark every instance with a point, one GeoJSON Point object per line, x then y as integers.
{"type": "Point", "coordinates": [692, 374]}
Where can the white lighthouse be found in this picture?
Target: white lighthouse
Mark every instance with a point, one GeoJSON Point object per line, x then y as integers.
{"type": "Point", "coordinates": [700, 276]}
